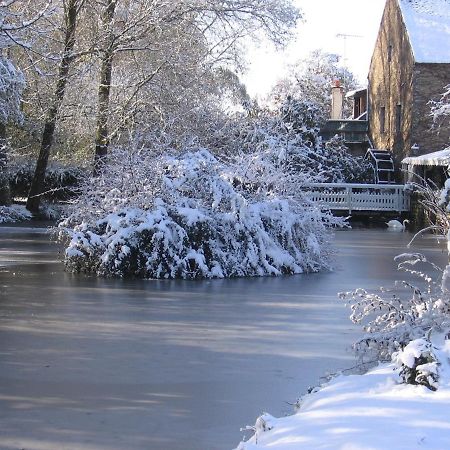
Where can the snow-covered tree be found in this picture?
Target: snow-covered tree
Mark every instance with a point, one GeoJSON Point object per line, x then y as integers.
{"type": "Point", "coordinates": [162, 32]}
{"type": "Point", "coordinates": [291, 134]}
{"type": "Point", "coordinates": [440, 109]}
{"type": "Point", "coordinates": [70, 15]}
{"type": "Point", "coordinates": [310, 80]}
{"type": "Point", "coordinates": [14, 20]}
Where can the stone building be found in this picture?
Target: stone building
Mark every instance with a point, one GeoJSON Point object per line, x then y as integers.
{"type": "Point", "coordinates": [410, 66]}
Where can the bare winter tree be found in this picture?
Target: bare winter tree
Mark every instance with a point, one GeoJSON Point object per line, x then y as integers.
{"type": "Point", "coordinates": [156, 34]}
{"type": "Point", "coordinates": [72, 10]}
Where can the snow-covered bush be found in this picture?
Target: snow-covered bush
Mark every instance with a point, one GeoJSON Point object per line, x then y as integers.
{"type": "Point", "coordinates": [394, 317]}
{"type": "Point", "coordinates": [440, 109]}
{"type": "Point", "coordinates": [192, 216]}
{"type": "Point", "coordinates": [291, 134]}
{"type": "Point", "coordinates": [418, 363]}
{"type": "Point", "coordinates": [14, 213]}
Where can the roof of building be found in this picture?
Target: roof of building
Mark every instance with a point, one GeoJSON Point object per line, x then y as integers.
{"type": "Point", "coordinates": [361, 90]}
{"type": "Point", "coordinates": [428, 26]}
{"type": "Point", "coordinates": [440, 158]}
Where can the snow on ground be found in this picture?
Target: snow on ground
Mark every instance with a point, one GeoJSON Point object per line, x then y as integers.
{"type": "Point", "coordinates": [375, 411]}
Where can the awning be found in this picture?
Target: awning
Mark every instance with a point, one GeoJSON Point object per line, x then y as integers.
{"type": "Point", "coordinates": [440, 158]}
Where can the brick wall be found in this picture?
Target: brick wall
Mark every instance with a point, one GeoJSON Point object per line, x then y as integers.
{"type": "Point", "coordinates": [391, 85]}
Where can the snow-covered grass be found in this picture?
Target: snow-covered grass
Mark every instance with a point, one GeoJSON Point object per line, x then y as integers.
{"type": "Point", "coordinates": [375, 411]}
{"type": "Point", "coordinates": [14, 213]}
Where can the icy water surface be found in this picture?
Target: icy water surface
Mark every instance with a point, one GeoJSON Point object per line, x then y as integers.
{"type": "Point", "coordinates": [89, 364]}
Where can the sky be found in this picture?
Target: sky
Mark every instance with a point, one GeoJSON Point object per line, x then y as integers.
{"type": "Point", "coordinates": [322, 21]}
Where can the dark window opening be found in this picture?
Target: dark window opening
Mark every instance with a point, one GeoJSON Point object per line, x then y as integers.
{"type": "Point", "coordinates": [383, 119]}
{"type": "Point", "coordinates": [390, 53]}
{"type": "Point", "coordinates": [398, 118]}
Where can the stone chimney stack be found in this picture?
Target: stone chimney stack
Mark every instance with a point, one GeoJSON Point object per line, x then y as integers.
{"type": "Point", "coordinates": [337, 99]}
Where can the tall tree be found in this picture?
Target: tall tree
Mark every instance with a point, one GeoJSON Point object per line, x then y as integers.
{"type": "Point", "coordinates": [104, 87]}
{"type": "Point", "coordinates": [161, 32]}
{"type": "Point", "coordinates": [14, 20]}
{"type": "Point", "coordinates": [72, 9]}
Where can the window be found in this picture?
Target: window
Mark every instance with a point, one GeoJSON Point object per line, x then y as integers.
{"type": "Point", "coordinates": [390, 53]}
{"type": "Point", "coordinates": [383, 119]}
{"type": "Point", "coordinates": [398, 118]}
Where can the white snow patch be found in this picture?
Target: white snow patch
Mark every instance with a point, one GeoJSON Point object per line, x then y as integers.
{"type": "Point", "coordinates": [373, 411]}
{"type": "Point", "coordinates": [14, 213]}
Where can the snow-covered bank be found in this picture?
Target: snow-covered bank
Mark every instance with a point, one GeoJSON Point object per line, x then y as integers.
{"type": "Point", "coordinates": [14, 213]}
{"type": "Point", "coordinates": [375, 411]}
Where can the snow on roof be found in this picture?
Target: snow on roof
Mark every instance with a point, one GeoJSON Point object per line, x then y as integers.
{"type": "Point", "coordinates": [428, 26]}
{"type": "Point", "coordinates": [350, 94]}
{"type": "Point", "coordinates": [440, 158]}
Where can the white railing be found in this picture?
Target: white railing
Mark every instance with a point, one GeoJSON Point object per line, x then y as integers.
{"type": "Point", "coordinates": [361, 197]}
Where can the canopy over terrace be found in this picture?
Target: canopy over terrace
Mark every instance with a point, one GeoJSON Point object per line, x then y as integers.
{"type": "Point", "coordinates": [434, 166]}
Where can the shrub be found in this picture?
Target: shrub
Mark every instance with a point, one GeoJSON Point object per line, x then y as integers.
{"type": "Point", "coordinates": [191, 217]}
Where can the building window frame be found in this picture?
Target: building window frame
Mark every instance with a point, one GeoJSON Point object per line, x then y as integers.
{"type": "Point", "coordinates": [398, 118]}
{"type": "Point", "coordinates": [383, 119]}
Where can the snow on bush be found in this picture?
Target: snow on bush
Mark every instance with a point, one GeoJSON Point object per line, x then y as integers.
{"type": "Point", "coordinates": [14, 213]}
{"type": "Point", "coordinates": [418, 363]}
{"type": "Point", "coordinates": [190, 216]}
{"type": "Point", "coordinates": [61, 182]}
{"type": "Point", "coordinates": [292, 134]}
{"type": "Point", "coordinates": [440, 109]}
{"type": "Point", "coordinates": [394, 317]}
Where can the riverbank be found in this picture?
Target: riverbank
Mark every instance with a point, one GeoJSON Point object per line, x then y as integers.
{"type": "Point", "coordinates": [375, 411]}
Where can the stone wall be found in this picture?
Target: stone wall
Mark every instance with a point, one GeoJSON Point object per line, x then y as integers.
{"type": "Point", "coordinates": [391, 85]}
{"type": "Point", "coordinates": [429, 83]}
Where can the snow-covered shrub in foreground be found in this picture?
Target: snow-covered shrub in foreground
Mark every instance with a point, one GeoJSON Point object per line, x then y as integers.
{"type": "Point", "coordinates": [392, 318]}
{"type": "Point", "coordinates": [418, 363]}
{"type": "Point", "coordinates": [190, 217]}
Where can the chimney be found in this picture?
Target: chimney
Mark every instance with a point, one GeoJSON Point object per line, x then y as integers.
{"type": "Point", "coordinates": [337, 98]}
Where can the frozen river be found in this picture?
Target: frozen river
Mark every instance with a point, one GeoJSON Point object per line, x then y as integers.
{"type": "Point", "coordinates": [89, 364]}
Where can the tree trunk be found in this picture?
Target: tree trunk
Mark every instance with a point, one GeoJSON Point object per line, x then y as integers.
{"type": "Point", "coordinates": [104, 89]}
{"type": "Point", "coordinates": [5, 194]}
{"type": "Point", "coordinates": [36, 189]}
